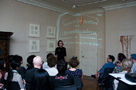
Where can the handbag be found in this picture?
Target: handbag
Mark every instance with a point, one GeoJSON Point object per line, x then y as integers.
{"type": "Point", "coordinates": [131, 77]}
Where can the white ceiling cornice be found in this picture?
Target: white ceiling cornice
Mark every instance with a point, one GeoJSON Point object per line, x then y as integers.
{"type": "Point", "coordinates": [44, 5]}
{"type": "Point", "coordinates": [117, 6]}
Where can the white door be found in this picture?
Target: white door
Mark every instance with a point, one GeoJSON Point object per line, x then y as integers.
{"type": "Point", "coordinates": [88, 54]}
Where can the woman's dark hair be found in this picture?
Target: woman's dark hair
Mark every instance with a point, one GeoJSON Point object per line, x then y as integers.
{"type": "Point", "coordinates": [60, 41]}
{"type": "Point", "coordinates": [62, 66]}
{"type": "Point", "coordinates": [17, 58]}
{"type": "Point", "coordinates": [52, 61]}
{"type": "Point", "coordinates": [73, 62]}
{"type": "Point", "coordinates": [40, 81]}
{"type": "Point", "coordinates": [112, 57]}
{"type": "Point", "coordinates": [48, 55]}
{"type": "Point", "coordinates": [121, 56]}
{"type": "Point", "coordinates": [10, 58]}
{"type": "Point", "coordinates": [14, 65]}
{"type": "Point", "coordinates": [30, 59]}
{"type": "Point", "coordinates": [2, 64]}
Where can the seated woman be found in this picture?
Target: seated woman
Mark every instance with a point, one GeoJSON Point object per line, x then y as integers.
{"type": "Point", "coordinates": [62, 79]}
{"type": "Point", "coordinates": [126, 68]}
{"type": "Point", "coordinates": [118, 67]}
{"type": "Point", "coordinates": [14, 76]}
{"type": "Point", "coordinates": [2, 72]}
{"type": "Point", "coordinates": [75, 72]}
{"type": "Point", "coordinates": [40, 81]}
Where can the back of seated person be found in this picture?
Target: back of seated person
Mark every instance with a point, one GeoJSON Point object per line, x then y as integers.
{"type": "Point", "coordinates": [30, 62]}
{"type": "Point", "coordinates": [126, 67]}
{"type": "Point", "coordinates": [40, 81]}
{"type": "Point", "coordinates": [21, 69]}
{"type": "Point", "coordinates": [37, 61]}
{"type": "Point", "coordinates": [45, 64]}
{"type": "Point", "coordinates": [52, 71]}
{"type": "Point", "coordinates": [13, 75]}
{"type": "Point", "coordinates": [76, 73]}
{"type": "Point", "coordinates": [62, 79]}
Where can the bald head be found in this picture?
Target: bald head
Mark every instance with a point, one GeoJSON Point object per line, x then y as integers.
{"type": "Point", "coordinates": [37, 61]}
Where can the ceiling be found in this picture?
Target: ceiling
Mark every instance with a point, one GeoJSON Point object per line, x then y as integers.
{"type": "Point", "coordinates": [76, 6]}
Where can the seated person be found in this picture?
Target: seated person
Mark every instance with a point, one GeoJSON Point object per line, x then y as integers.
{"type": "Point", "coordinates": [2, 72]}
{"type": "Point", "coordinates": [109, 64]}
{"type": "Point", "coordinates": [30, 62]}
{"type": "Point", "coordinates": [51, 61]}
{"type": "Point", "coordinates": [13, 76]}
{"type": "Point", "coordinates": [45, 64]}
{"type": "Point", "coordinates": [126, 68]}
{"type": "Point", "coordinates": [21, 70]}
{"type": "Point", "coordinates": [40, 81]}
{"type": "Point", "coordinates": [62, 79]}
{"type": "Point", "coordinates": [118, 67]}
{"type": "Point", "coordinates": [133, 59]}
{"type": "Point", "coordinates": [37, 62]}
{"type": "Point", "coordinates": [75, 72]}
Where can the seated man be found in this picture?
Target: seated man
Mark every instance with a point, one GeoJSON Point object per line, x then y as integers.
{"type": "Point", "coordinates": [52, 71]}
{"type": "Point", "coordinates": [37, 62]}
{"type": "Point", "coordinates": [133, 59]}
{"type": "Point", "coordinates": [109, 64]}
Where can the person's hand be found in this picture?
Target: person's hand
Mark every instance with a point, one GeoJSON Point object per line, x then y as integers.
{"type": "Point", "coordinates": [24, 82]}
{"type": "Point", "coordinates": [1, 85]}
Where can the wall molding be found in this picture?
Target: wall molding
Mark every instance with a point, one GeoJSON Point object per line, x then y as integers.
{"type": "Point", "coordinates": [118, 6]}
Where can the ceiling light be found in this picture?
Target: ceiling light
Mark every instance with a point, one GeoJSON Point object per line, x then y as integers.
{"type": "Point", "coordinates": [74, 6]}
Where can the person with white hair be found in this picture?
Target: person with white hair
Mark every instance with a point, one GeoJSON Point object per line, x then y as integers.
{"type": "Point", "coordinates": [37, 62]}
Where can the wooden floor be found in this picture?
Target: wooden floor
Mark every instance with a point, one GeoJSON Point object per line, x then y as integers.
{"type": "Point", "coordinates": [89, 83]}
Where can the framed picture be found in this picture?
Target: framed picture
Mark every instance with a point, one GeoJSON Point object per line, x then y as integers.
{"type": "Point", "coordinates": [51, 45]}
{"type": "Point", "coordinates": [51, 32]}
{"type": "Point", "coordinates": [34, 46]}
{"type": "Point", "coordinates": [34, 30]}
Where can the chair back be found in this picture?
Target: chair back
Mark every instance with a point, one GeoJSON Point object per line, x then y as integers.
{"type": "Point", "coordinates": [71, 87]}
{"type": "Point", "coordinates": [12, 85]}
{"type": "Point", "coordinates": [106, 72]}
{"type": "Point", "coordinates": [78, 82]}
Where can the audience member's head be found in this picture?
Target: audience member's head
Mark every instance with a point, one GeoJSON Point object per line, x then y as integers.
{"type": "Point", "coordinates": [18, 58]}
{"type": "Point", "coordinates": [60, 43]}
{"type": "Point", "coordinates": [37, 61]}
{"type": "Point", "coordinates": [127, 65]}
{"type": "Point", "coordinates": [10, 58]}
{"type": "Point", "coordinates": [40, 80]}
{"type": "Point", "coordinates": [2, 64]}
{"type": "Point", "coordinates": [133, 58]}
{"type": "Point", "coordinates": [62, 66]}
{"type": "Point", "coordinates": [48, 55]}
{"type": "Point", "coordinates": [30, 59]}
{"type": "Point", "coordinates": [52, 61]}
{"type": "Point", "coordinates": [73, 62]}
{"type": "Point", "coordinates": [110, 58]}
{"type": "Point", "coordinates": [121, 56]}
{"type": "Point", "coordinates": [15, 66]}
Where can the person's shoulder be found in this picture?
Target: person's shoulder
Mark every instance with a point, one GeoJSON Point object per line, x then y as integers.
{"type": "Point", "coordinates": [63, 47]}
{"type": "Point", "coordinates": [80, 70]}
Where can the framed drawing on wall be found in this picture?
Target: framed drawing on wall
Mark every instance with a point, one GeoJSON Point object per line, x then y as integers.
{"type": "Point", "coordinates": [51, 32]}
{"type": "Point", "coordinates": [34, 30]}
{"type": "Point", "coordinates": [51, 45]}
{"type": "Point", "coordinates": [34, 45]}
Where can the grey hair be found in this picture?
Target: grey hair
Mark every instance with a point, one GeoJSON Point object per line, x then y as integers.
{"type": "Point", "coordinates": [127, 65]}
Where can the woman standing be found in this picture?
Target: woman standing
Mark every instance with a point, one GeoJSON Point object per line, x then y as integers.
{"type": "Point", "coordinates": [60, 51]}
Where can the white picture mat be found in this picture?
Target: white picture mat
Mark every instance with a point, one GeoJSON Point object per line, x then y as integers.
{"type": "Point", "coordinates": [34, 45]}
{"type": "Point", "coordinates": [51, 31]}
{"type": "Point", "coordinates": [51, 45]}
{"type": "Point", "coordinates": [34, 30]}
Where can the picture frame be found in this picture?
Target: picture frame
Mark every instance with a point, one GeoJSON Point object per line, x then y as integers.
{"type": "Point", "coordinates": [51, 45]}
{"type": "Point", "coordinates": [51, 32]}
{"type": "Point", "coordinates": [34, 45]}
{"type": "Point", "coordinates": [34, 30]}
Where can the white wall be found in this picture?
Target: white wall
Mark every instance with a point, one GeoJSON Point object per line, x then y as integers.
{"type": "Point", "coordinates": [16, 17]}
{"type": "Point", "coordinates": [120, 22]}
